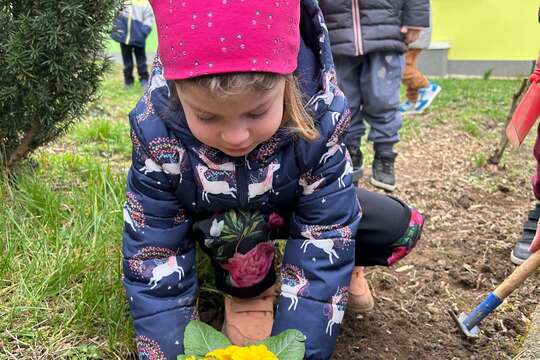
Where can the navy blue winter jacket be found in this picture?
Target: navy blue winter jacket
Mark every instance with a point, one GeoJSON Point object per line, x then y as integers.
{"type": "Point", "coordinates": [133, 23]}
{"type": "Point", "coordinates": [174, 178]}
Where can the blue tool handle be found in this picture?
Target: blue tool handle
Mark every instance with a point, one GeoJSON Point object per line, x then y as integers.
{"type": "Point", "coordinates": [489, 304]}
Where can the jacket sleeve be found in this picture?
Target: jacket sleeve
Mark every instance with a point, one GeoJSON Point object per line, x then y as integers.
{"type": "Point", "coordinates": [148, 19]}
{"type": "Point", "coordinates": [416, 13]}
{"type": "Point", "coordinates": [319, 256]}
{"type": "Point", "coordinates": [158, 257]}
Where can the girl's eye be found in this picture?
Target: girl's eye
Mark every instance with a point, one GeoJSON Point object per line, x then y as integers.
{"type": "Point", "coordinates": [205, 118]}
{"type": "Point", "coordinates": [257, 115]}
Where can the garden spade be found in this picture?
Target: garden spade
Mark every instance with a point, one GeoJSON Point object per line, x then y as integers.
{"type": "Point", "coordinates": [524, 116]}
{"type": "Point", "coordinates": [468, 324]}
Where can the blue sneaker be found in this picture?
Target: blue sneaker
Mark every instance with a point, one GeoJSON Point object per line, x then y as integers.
{"type": "Point", "coordinates": [406, 107]}
{"type": "Point", "coordinates": [427, 95]}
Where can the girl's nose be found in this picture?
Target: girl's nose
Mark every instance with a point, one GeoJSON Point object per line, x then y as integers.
{"type": "Point", "coordinates": [235, 136]}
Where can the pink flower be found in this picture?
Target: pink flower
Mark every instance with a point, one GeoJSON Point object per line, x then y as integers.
{"type": "Point", "coordinates": [398, 253]}
{"type": "Point", "coordinates": [250, 268]}
{"type": "Point", "coordinates": [275, 221]}
{"type": "Point", "coordinates": [416, 218]}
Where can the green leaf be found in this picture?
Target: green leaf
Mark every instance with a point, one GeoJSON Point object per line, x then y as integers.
{"type": "Point", "coordinates": [288, 345]}
{"type": "Point", "coordinates": [200, 339]}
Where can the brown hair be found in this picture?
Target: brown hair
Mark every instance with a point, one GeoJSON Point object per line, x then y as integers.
{"type": "Point", "coordinates": [295, 116]}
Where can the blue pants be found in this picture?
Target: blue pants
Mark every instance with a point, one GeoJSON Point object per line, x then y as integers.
{"type": "Point", "coordinates": [127, 56]}
{"type": "Point", "coordinates": [371, 84]}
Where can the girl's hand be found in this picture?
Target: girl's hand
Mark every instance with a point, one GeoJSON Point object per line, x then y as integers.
{"type": "Point", "coordinates": [535, 245]}
{"type": "Point", "coordinates": [411, 34]}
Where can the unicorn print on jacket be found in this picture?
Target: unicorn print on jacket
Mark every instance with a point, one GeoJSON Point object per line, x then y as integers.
{"type": "Point", "coordinates": [310, 183]}
{"type": "Point", "coordinates": [293, 284]}
{"type": "Point", "coordinates": [165, 269]}
{"type": "Point", "coordinates": [333, 144]}
{"type": "Point", "coordinates": [347, 171]}
{"type": "Point", "coordinates": [335, 311]}
{"type": "Point", "coordinates": [205, 154]}
{"type": "Point", "coordinates": [213, 187]}
{"type": "Point", "coordinates": [327, 94]}
{"type": "Point", "coordinates": [148, 108]}
{"type": "Point", "coordinates": [314, 236]}
{"type": "Point", "coordinates": [158, 81]}
{"type": "Point", "coordinates": [259, 188]}
{"type": "Point", "coordinates": [133, 212]}
{"type": "Point", "coordinates": [166, 151]}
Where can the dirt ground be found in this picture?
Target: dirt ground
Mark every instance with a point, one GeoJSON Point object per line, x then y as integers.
{"type": "Point", "coordinates": [475, 214]}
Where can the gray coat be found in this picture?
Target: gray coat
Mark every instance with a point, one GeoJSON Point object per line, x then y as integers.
{"type": "Point", "coordinates": [358, 27]}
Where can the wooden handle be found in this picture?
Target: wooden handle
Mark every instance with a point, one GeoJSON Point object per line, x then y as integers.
{"type": "Point", "coordinates": [518, 276]}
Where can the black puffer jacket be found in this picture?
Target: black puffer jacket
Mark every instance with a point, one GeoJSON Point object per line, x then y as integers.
{"type": "Point", "coordinates": [358, 27]}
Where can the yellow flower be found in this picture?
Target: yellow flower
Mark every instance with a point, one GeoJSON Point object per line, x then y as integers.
{"type": "Point", "coordinates": [233, 352]}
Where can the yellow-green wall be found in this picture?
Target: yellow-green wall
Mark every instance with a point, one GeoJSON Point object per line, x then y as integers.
{"type": "Point", "coordinates": [488, 29]}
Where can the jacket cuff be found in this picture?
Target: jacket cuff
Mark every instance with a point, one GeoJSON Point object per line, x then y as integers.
{"type": "Point", "coordinates": [417, 18]}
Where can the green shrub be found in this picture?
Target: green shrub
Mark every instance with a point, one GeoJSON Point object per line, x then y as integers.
{"type": "Point", "coordinates": [51, 61]}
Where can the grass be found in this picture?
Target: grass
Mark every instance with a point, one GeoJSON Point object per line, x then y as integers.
{"type": "Point", "coordinates": [60, 290]}
{"type": "Point", "coordinates": [60, 255]}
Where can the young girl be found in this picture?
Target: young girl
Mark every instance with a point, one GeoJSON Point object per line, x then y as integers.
{"type": "Point", "coordinates": [236, 142]}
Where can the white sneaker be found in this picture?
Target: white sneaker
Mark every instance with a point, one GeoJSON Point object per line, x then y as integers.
{"type": "Point", "coordinates": [406, 107]}
{"type": "Point", "coordinates": [427, 95]}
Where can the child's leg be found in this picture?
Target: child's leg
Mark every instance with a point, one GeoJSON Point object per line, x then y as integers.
{"type": "Point", "coordinates": [127, 58]}
{"type": "Point", "coordinates": [413, 79]}
{"type": "Point", "coordinates": [380, 80]}
{"type": "Point", "coordinates": [348, 70]}
{"type": "Point", "coordinates": [389, 230]}
{"type": "Point", "coordinates": [348, 73]}
{"type": "Point", "coordinates": [142, 68]}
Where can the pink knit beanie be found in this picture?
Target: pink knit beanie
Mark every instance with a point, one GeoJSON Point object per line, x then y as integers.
{"type": "Point", "coordinates": [200, 37]}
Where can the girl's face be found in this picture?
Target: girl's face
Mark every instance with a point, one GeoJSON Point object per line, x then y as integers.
{"type": "Point", "coordinates": [234, 124]}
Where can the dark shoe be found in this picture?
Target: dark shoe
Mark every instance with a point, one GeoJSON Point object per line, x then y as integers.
{"type": "Point", "coordinates": [521, 252]}
{"type": "Point", "coordinates": [383, 175]}
{"type": "Point", "coordinates": [357, 160]}
{"type": "Point", "coordinates": [144, 83]}
{"type": "Point", "coordinates": [128, 85]}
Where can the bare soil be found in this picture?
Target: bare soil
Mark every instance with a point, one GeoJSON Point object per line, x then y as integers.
{"type": "Point", "coordinates": [474, 218]}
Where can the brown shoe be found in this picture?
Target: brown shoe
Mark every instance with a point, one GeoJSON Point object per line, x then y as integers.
{"type": "Point", "coordinates": [249, 320]}
{"type": "Point", "coordinates": [360, 298]}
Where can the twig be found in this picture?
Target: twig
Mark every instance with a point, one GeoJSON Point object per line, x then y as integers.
{"type": "Point", "coordinates": [24, 146]}
{"type": "Point", "coordinates": [495, 158]}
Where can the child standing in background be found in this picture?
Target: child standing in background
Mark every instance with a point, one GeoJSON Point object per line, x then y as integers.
{"type": "Point", "coordinates": [237, 141]}
{"type": "Point", "coordinates": [420, 91]}
{"type": "Point", "coordinates": [368, 40]}
{"type": "Point", "coordinates": [131, 28]}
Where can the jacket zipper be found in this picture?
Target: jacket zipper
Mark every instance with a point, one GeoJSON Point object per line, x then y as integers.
{"type": "Point", "coordinates": [241, 184]}
{"type": "Point", "coordinates": [357, 28]}
{"type": "Point", "coordinates": [128, 37]}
